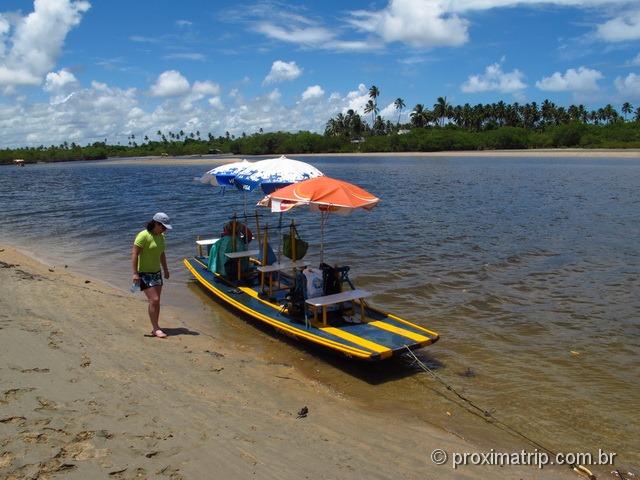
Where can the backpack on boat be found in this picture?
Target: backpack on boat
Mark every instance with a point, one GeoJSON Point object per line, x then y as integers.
{"type": "Point", "coordinates": [295, 301]}
{"type": "Point", "coordinates": [292, 240]}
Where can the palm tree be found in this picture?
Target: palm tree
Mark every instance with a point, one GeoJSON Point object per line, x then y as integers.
{"type": "Point", "coordinates": [627, 108]}
{"type": "Point", "coordinates": [419, 116]}
{"type": "Point", "coordinates": [548, 111]}
{"type": "Point", "coordinates": [353, 124]}
{"type": "Point", "coordinates": [371, 108]}
{"type": "Point", "coordinates": [399, 104]}
{"type": "Point", "coordinates": [441, 109]}
{"type": "Point", "coordinates": [374, 93]}
{"type": "Point", "coordinates": [332, 128]}
{"type": "Point", "coordinates": [610, 113]}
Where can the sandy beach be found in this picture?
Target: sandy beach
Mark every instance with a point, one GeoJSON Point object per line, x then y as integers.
{"type": "Point", "coordinates": [529, 153]}
{"type": "Point", "coordinates": [85, 394]}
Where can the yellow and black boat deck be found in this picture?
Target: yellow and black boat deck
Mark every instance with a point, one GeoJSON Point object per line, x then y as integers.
{"type": "Point", "coordinates": [380, 336]}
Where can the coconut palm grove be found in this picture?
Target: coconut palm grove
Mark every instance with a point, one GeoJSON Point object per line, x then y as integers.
{"type": "Point", "coordinates": [441, 127]}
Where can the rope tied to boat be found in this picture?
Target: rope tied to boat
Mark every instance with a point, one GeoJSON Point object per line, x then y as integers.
{"type": "Point", "coordinates": [489, 417]}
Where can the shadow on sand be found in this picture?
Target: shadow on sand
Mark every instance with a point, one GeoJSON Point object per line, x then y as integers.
{"type": "Point", "coordinates": [174, 332]}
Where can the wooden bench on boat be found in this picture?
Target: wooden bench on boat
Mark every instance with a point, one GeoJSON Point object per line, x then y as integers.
{"type": "Point", "coordinates": [325, 301]}
{"type": "Point", "coordinates": [277, 268]}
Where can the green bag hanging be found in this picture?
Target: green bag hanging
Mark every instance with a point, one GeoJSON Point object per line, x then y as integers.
{"type": "Point", "coordinates": [301, 245]}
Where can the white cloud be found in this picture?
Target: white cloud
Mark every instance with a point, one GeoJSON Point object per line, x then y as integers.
{"type": "Point", "coordinates": [356, 99]}
{"type": "Point", "coordinates": [581, 80]}
{"type": "Point", "coordinates": [282, 71]}
{"type": "Point", "coordinates": [184, 23]}
{"type": "Point", "coordinates": [206, 88]}
{"type": "Point", "coordinates": [635, 62]}
{"type": "Point", "coordinates": [4, 30]}
{"type": "Point", "coordinates": [390, 112]}
{"type": "Point", "coordinates": [85, 115]}
{"type": "Point", "coordinates": [414, 22]}
{"type": "Point", "coordinates": [216, 102]}
{"type": "Point", "coordinates": [56, 81]}
{"type": "Point", "coordinates": [301, 35]}
{"type": "Point", "coordinates": [292, 28]}
{"type": "Point", "coordinates": [186, 56]}
{"type": "Point", "coordinates": [494, 79]}
{"type": "Point", "coordinates": [102, 111]}
{"type": "Point", "coordinates": [312, 92]}
{"type": "Point", "coordinates": [435, 23]}
{"type": "Point", "coordinates": [622, 28]}
{"type": "Point", "coordinates": [629, 86]}
{"type": "Point", "coordinates": [274, 96]}
{"type": "Point", "coordinates": [170, 83]}
{"type": "Point", "coordinates": [36, 40]}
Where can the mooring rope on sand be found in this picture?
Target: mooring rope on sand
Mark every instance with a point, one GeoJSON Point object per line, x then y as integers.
{"type": "Point", "coordinates": [487, 416]}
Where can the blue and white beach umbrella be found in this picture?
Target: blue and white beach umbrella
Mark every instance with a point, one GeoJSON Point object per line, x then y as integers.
{"type": "Point", "coordinates": [223, 175]}
{"type": "Point", "coordinates": [274, 173]}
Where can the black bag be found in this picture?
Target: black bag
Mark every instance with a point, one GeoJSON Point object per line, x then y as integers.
{"type": "Point", "coordinates": [296, 297]}
{"type": "Point", "coordinates": [301, 245]}
{"type": "Point", "coordinates": [331, 279]}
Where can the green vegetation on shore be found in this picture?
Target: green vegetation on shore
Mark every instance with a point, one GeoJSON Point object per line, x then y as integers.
{"type": "Point", "coordinates": [444, 128]}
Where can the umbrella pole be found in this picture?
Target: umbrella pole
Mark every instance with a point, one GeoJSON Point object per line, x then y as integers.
{"type": "Point", "coordinates": [280, 238]}
{"type": "Point", "coordinates": [257, 228]}
{"type": "Point", "coordinates": [265, 246]}
{"type": "Point", "coordinates": [323, 220]}
{"type": "Point", "coordinates": [244, 197]}
{"type": "Point", "coordinates": [233, 233]}
{"type": "Point", "coordinates": [292, 239]}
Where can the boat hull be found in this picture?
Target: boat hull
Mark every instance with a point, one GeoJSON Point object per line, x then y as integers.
{"type": "Point", "coordinates": [381, 336]}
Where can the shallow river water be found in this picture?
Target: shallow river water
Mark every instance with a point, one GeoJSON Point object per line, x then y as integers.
{"type": "Point", "coordinates": [529, 268]}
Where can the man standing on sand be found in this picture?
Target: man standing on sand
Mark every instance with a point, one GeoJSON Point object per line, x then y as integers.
{"type": "Point", "coordinates": [147, 256]}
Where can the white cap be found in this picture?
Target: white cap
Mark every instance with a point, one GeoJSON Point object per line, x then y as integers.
{"type": "Point", "coordinates": [162, 218]}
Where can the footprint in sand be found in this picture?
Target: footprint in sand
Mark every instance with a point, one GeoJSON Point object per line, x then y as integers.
{"type": "Point", "coordinates": [46, 405]}
{"type": "Point", "coordinates": [169, 471]}
{"type": "Point", "coordinates": [14, 394]}
{"type": "Point", "coordinates": [5, 459]}
{"type": "Point", "coordinates": [117, 473]}
{"type": "Point", "coordinates": [86, 361]}
{"type": "Point", "coordinates": [54, 342]}
{"type": "Point", "coordinates": [14, 420]}
{"type": "Point", "coordinates": [35, 370]}
{"type": "Point", "coordinates": [35, 437]}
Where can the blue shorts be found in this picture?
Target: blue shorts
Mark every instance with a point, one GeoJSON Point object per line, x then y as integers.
{"type": "Point", "coordinates": [148, 280]}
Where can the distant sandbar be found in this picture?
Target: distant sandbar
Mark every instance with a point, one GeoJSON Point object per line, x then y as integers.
{"type": "Point", "coordinates": [524, 153]}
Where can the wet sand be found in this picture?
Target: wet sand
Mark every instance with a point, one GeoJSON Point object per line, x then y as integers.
{"type": "Point", "coordinates": [85, 394]}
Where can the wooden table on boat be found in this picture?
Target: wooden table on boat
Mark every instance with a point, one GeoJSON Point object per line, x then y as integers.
{"type": "Point", "coordinates": [325, 301]}
{"type": "Point", "coordinates": [277, 268]}
{"type": "Point", "coordinates": [205, 242]}
{"type": "Point", "coordinates": [239, 256]}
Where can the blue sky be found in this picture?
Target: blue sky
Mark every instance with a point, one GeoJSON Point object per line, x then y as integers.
{"type": "Point", "coordinates": [79, 70]}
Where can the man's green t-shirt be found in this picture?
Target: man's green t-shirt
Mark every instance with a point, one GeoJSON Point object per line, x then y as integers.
{"type": "Point", "coordinates": [152, 247]}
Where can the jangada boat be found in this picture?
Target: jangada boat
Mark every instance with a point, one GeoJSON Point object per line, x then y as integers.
{"type": "Point", "coordinates": [317, 305]}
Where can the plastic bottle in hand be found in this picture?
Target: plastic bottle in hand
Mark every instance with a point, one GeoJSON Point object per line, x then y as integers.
{"type": "Point", "coordinates": [135, 287]}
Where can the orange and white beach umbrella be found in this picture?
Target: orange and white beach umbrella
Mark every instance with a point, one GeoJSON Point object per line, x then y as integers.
{"type": "Point", "coordinates": [324, 194]}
